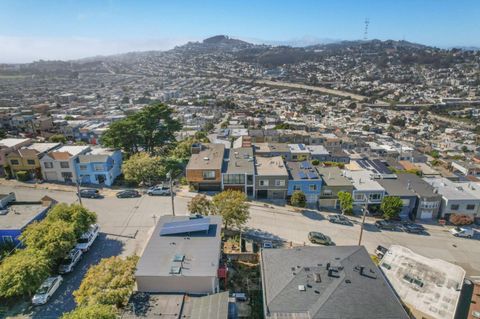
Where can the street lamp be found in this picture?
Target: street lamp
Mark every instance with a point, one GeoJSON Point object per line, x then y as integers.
{"type": "Point", "coordinates": [169, 176]}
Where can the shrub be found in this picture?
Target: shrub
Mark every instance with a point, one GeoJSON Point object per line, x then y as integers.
{"type": "Point", "coordinates": [92, 312]}
{"type": "Point", "coordinates": [298, 199]}
{"type": "Point", "coordinates": [315, 162]}
{"type": "Point", "coordinates": [460, 219]}
{"type": "Point", "coordinates": [23, 176]}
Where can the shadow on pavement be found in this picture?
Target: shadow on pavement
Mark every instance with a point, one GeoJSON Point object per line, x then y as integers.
{"type": "Point", "coordinates": [370, 227]}
{"type": "Point", "coordinates": [312, 214]}
{"type": "Point", "coordinates": [63, 301]}
{"type": "Point", "coordinates": [260, 235]}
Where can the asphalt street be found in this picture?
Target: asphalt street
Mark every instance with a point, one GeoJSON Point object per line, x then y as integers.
{"type": "Point", "coordinates": [126, 225]}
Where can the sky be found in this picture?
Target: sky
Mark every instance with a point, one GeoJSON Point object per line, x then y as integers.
{"type": "Point", "coordinates": [69, 29]}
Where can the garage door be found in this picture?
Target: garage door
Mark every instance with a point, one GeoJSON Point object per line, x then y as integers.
{"type": "Point", "coordinates": [312, 198]}
{"type": "Point", "coordinates": [208, 187]}
{"type": "Point", "coordinates": [51, 176]}
{"type": "Point", "coordinates": [425, 214]}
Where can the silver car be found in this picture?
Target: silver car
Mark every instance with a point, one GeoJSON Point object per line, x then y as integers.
{"type": "Point", "coordinates": [46, 290]}
{"type": "Point", "coordinates": [159, 191]}
{"type": "Point", "coordinates": [70, 261]}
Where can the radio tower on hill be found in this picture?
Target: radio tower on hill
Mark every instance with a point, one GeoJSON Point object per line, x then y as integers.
{"type": "Point", "coordinates": [365, 31]}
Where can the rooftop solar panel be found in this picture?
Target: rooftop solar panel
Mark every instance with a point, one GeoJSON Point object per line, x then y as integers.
{"type": "Point", "coordinates": [305, 165]}
{"type": "Point", "coordinates": [302, 175]}
{"type": "Point", "coordinates": [185, 226]}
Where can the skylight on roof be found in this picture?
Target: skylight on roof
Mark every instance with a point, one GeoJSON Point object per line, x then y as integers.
{"type": "Point", "coordinates": [175, 270]}
{"type": "Point", "coordinates": [179, 257]}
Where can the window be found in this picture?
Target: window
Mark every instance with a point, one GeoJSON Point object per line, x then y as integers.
{"type": "Point", "coordinates": [470, 206]}
{"type": "Point", "coordinates": [64, 165]}
{"type": "Point", "coordinates": [312, 187]}
{"type": "Point", "coordinates": [429, 204]}
{"type": "Point", "coordinates": [31, 162]}
{"type": "Point", "coordinates": [208, 174]}
{"type": "Point", "coordinates": [14, 162]}
{"type": "Point", "coordinates": [375, 196]}
{"type": "Point", "coordinates": [327, 192]}
{"type": "Point", "coordinates": [359, 197]}
{"type": "Point", "coordinates": [98, 167]}
{"type": "Point", "coordinates": [83, 167]}
{"type": "Point", "coordinates": [297, 188]}
{"type": "Point", "coordinates": [279, 182]}
{"type": "Point", "coordinates": [7, 239]}
{"type": "Point", "coordinates": [454, 207]}
{"type": "Point", "coordinates": [67, 175]}
{"type": "Point", "coordinates": [233, 179]}
{"type": "Point", "coordinates": [263, 182]}
{"type": "Point", "coordinates": [48, 164]}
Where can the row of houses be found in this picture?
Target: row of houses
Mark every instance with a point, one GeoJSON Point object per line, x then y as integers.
{"type": "Point", "coordinates": [55, 162]}
{"type": "Point", "coordinates": [276, 175]}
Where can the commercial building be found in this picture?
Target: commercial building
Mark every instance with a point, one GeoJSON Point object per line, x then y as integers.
{"type": "Point", "coordinates": [181, 256]}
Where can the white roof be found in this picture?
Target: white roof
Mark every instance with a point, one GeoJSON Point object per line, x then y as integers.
{"type": "Point", "coordinates": [73, 149]}
{"type": "Point", "coordinates": [451, 190]}
{"type": "Point", "coordinates": [431, 286]}
{"type": "Point", "coordinates": [362, 180]}
{"type": "Point", "coordinates": [43, 147]}
{"type": "Point", "coordinates": [11, 142]}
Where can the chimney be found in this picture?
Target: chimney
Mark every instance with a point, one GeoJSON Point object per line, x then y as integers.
{"type": "Point", "coordinates": [328, 266]}
{"type": "Point", "coordinates": [196, 148]}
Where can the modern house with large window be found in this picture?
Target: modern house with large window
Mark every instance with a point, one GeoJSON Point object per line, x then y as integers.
{"type": "Point", "coordinates": [60, 165]}
{"type": "Point", "coordinates": [367, 191]}
{"type": "Point", "coordinates": [99, 166]}
{"type": "Point", "coordinates": [239, 170]}
{"type": "Point", "coordinates": [302, 176]}
{"type": "Point", "coordinates": [271, 181]}
{"type": "Point", "coordinates": [204, 169]}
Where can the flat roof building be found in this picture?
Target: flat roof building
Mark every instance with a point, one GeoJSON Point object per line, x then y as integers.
{"type": "Point", "coordinates": [181, 256]}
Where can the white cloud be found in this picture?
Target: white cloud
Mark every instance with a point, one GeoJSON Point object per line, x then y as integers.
{"type": "Point", "coordinates": [28, 49]}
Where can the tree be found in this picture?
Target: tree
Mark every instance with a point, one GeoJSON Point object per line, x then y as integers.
{"type": "Point", "coordinates": [209, 127]}
{"type": "Point", "coordinates": [147, 169]}
{"type": "Point", "coordinates": [151, 128]}
{"type": "Point", "coordinates": [391, 206]}
{"type": "Point", "coordinates": [435, 154]}
{"type": "Point", "coordinates": [200, 204]}
{"type": "Point", "coordinates": [76, 215]}
{"type": "Point", "coordinates": [232, 206]}
{"type": "Point", "coordinates": [298, 199]}
{"type": "Point", "coordinates": [398, 121]}
{"type": "Point", "coordinates": [92, 312]}
{"type": "Point", "coordinates": [108, 283]}
{"type": "Point", "coordinates": [346, 202]}
{"type": "Point", "coordinates": [3, 134]}
{"type": "Point", "coordinates": [461, 219]}
{"type": "Point", "coordinates": [315, 162]}
{"type": "Point", "coordinates": [54, 239]}
{"type": "Point", "coordinates": [183, 149]}
{"type": "Point", "coordinates": [22, 273]}
{"type": "Point", "coordinates": [69, 118]}
{"type": "Point", "coordinates": [58, 138]}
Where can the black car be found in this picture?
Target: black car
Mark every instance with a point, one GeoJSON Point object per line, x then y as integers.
{"type": "Point", "coordinates": [339, 219]}
{"type": "Point", "coordinates": [385, 224]}
{"type": "Point", "coordinates": [90, 193]}
{"type": "Point", "coordinates": [413, 228]}
{"type": "Point", "coordinates": [129, 193]}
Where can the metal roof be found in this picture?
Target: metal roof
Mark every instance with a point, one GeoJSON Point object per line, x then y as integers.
{"type": "Point", "coordinates": [185, 226]}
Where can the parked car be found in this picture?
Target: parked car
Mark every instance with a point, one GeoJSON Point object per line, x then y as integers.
{"type": "Point", "coordinates": [46, 290]}
{"type": "Point", "coordinates": [339, 219]}
{"type": "Point", "coordinates": [158, 190]}
{"type": "Point", "coordinates": [413, 228]}
{"type": "Point", "coordinates": [129, 193]}
{"type": "Point", "coordinates": [319, 238]}
{"type": "Point", "coordinates": [70, 261]}
{"type": "Point", "coordinates": [380, 251]}
{"type": "Point", "coordinates": [267, 244]}
{"type": "Point", "coordinates": [87, 238]}
{"type": "Point", "coordinates": [385, 224]}
{"type": "Point", "coordinates": [90, 193]}
{"type": "Point", "coordinates": [462, 232]}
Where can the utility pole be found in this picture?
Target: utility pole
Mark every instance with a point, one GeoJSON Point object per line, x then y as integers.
{"type": "Point", "coordinates": [365, 209]}
{"type": "Point", "coordinates": [169, 175]}
{"type": "Point", "coordinates": [78, 190]}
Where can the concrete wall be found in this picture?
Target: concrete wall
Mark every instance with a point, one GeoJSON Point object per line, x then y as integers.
{"type": "Point", "coordinates": [177, 284]}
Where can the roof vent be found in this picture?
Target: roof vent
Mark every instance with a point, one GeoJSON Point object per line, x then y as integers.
{"type": "Point", "coordinates": [205, 158]}
{"type": "Point", "coordinates": [301, 288]}
{"type": "Point", "coordinates": [317, 277]}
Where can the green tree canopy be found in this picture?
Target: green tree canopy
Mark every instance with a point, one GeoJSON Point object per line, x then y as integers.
{"type": "Point", "coordinates": [298, 199]}
{"type": "Point", "coordinates": [148, 169]}
{"type": "Point", "coordinates": [391, 206]}
{"type": "Point", "coordinates": [200, 204]}
{"type": "Point", "coordinates": [58, 138]}
{"type": "Point", "coordinates": [76, 215]}
{"type": "Point", "coordinates": [346, 202]}
{"type": "Point", "coordinates": [108, 283]}
{"type": "Point", "coordinates": [22, 273]}
{"type": "Point", "coordinates": [149, 129]}
{"type": "Point", "coordinates": [54, 239]}
{"type": "Point", "coordinates": [232, 206]}
{"type": "Point", "coordinates": [92, 312]}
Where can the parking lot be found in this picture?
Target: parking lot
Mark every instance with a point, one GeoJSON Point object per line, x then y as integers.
{"type": "Point", "coordinates": [125, 225]}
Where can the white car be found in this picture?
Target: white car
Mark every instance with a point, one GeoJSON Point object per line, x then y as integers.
{"type": "Point", "coordinates": [70, 261]}
{"type": "Point", "coordinates": [87, 239]}
{"type": "Point", "coordinates": [462, 232]}
{"type": "Point", "coordinates": [46, 290]}
{"type": "Point", "coordinates": [159, 190]}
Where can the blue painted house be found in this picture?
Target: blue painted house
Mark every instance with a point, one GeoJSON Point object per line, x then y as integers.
{"type": "Point", "coordinates": [302, 176]}
{"type": "Point", "coordinates": [15, 217]}
{"type": "Point", "coordinates": [100, 166]}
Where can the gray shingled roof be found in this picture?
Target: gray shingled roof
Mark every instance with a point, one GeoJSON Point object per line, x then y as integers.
{"type": "Point", "coordinates": [347, 292]}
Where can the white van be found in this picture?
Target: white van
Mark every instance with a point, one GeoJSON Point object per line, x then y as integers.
{"type": "Point", "coordinates": [462, 232]}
